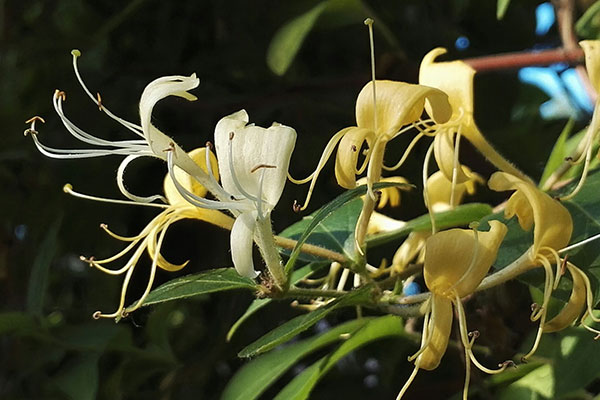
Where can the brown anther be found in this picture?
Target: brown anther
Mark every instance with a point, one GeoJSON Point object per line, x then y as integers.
{"type": "Point", "coordinates": [60, 94]}
{"type": "Point", "coordinates": [103, 226]}
{"type": "Point", "coordinates": [97, 315]}
{"type": "Point", "coordinates": [34, 119]}
{"type": "Point", "coordinates": [296, 207]}
{"type": "Point", "coordinates": [563, 265]}
{"type": "Point", "coordinates": [507, 363]}
{"type": "Point", "coordinates": [259, 166]}
{"type": "Point", "coordinates": [209, 146]}
{"type": "Point", "coordinates": [170, 148]}
{"type": "Point", "coordinates": [535, 307]}
{"type": "Point", "coordinates": [231, 135]}
{"type": "Point", "coordinates": [99, 101]}
{"type": "Point", "coordinates": [354, 149]}
{"type": "Point", "coordinates": [474, 334]}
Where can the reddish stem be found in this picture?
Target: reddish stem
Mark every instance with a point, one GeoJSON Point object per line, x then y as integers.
{"type": "Point", "coordinates": [525, 59]}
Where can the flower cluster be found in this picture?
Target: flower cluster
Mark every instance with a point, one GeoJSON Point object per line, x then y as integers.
{"type": "Point", "coordinates": [238, 188]}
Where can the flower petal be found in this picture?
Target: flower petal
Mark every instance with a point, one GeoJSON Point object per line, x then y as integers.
{"type": "Point", "coordinates": [159, 142]}
{"type": "Point", "coordinates": [256, 152]}
{"type": "Point", "coordinates": [398, 104]}
{"type": "Point", "coordinates": [591, 48]}
{"type": "Point", "coordinates": [242, 235]}
{"type": "Point", "coordinates": [199, 157]}
{"type": "Point", "coordinates": [455, 261]}
{"type": "Point", "coordinates": [439, 190]}
{"type": "Point", "coordinates": [553, 223]}
{"type": "Point", "coordinates": [443, 151]}
{"type": "Point", "coordinates": [348, 153]}
{"type": "Point", "coordinates": [439, 327]}
{"type": "Point", "coordinates": [574, 307]}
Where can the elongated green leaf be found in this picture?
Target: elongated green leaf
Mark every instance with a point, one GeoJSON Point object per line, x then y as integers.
{"type": "Point", "coordinates": [460, 216]}
{"type": "Point", "coordinates": [215, 280]}
{"type": "Point", "coordinates": [38, 280]}
{"type": "Point", "coordinates": [325, 211]}
{"type": "Point", "coordinates": [289, 38]}
{"type": "Point", "coordinates": [559, 152]}
{"type": "Point", "coordinates": [501, 7]}
{"type": "Point", "coordinates": [256, 376]}
{"type": "Point", "coordinates": [588, 26]}
{"type": "Point", "coordinates": [299, 324]}
{"type": "Point", "coordinates": [301, 386]}
{"type": "Point", "coordinates": [334, 232]}
{"type": "Point", "coordinates": [257, 304]}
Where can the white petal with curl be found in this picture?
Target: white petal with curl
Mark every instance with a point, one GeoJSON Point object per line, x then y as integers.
{"type": "Point", "coordinates": [242, 235]}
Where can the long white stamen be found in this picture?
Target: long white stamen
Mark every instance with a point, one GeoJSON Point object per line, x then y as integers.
{"type": "Point", "coordinates": [406, 153]}
{"type": "Point", "coordinates": [425, 191]}
{"type": "Point", "coordinates": [455, 168]}
{"type": "Point", "coordinates": [69, 190]}
{"type": "Point", "coordinates": [581, 243]}
{"type": "Point", "coordinates": [129, 125]}
{"type": "Point", "coordinates": [369, 22]}
{"type": "Point", "coordinates": [127, 193]}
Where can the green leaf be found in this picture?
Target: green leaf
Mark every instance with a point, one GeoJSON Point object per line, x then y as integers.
{"type": "Point", "coordinates": [328, 209]}
{"type": "Point", "coordinates": [501, 7]}
{"type": "Point", "coordinates": [215, 280]}
{"type": "Point", "coordinates": [16, 321]}
{"type": "Point", "coordinates": [299, 324]}
{"type": "Point", "coordinates": [257, 375]}
{"type": "Point", "coordinates": [289, 38]}
{"type": "Point", "coordinates": [38, 280]}
{"type": "Point", "coordinates": [257, 304]}
{"type": "Point", "coordinates": [335, 232]}
{"type": "Point", "coordinates": [559, 152]}
{"type": "Point", "coordinates": [588, 26]}
{"type": "Point", "coordinates": [460, 216]}
{"type": "Point", "coordinates": [301, 386]}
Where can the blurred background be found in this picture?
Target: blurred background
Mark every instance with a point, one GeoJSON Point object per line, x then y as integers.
{"type": "Point", "coordinates": [50, 347]}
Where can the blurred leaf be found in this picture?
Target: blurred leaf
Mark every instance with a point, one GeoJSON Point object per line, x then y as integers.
{"type": "Point", "coordinates": [38, 280]}
{"type": "Point", "coordinates": [329, 209]}
{"type": "Point", "coordinates": [16, 321]}
{"type": "Point", "coordinates": [461, 216]}
{"type": "Point", "coordinates": [256, 376]}
{"type": "Point", "coordinates": [301, 386]}
{"type": "Point", "coordinates": [79, 380]}
{"type": "Point", "coordinates": [214, 280]}
{"type": "Point", "coordinates": [588, 26]}
{"type": "Point", "coordinates": [332, 233]}
{"type": "Point", "coordinates": [257, 304]}
{"type": "Point", "coordinates": [501, 7]}
{"type": "Point", "coordinates": [289, 38]}
{"type": "Point", "coordinates": [559, 152]}
{"type": "Point", "coordinates": [299, 324]}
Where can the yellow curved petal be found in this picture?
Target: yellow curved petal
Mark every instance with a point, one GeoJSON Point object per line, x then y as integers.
{"type": "Point", "coordinates": [439, 189]}
{"type": "Point", "coordinates": [455, 78]}
{"type": "Point", "coordinates": [574, 307]}
{"type": "Point", "coordinates": [409, 249]}
{"type": "Point", "coordinates": [389, 195]}
{"type": "Point", "coordinates": [443, 151]}
{"type": "Point", "coordinates": [553, 223]}
{"type": "Point", "coordinates": [398, 104]}
{"type": "Point", "coordinates": [591, 48]}
{"type": "Point", "coordinates": [439, 327]}
{"type": "Point", "coordinates": [348, 153]}
{"type": "Point", "coordinates": [456, 262]}
{"type": "Point", "coordinates": [199, 157]}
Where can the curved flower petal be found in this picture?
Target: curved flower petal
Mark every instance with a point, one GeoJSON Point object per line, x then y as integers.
{"type": "Point", "coordinates": [457, 260]}
{"type": "Point", "coordinates": [439, 189]}
{"type": "Point", "coordinates": [455, 78]}
{"type": "Point", "coordinates": [260, 155]}
{"type": "Point", "coordinates": [241, 238]}
{"type": "Point", "coordinates": [348, 153]}
{"type": "Point", "coordinates": [574, 307]}
{"type": "Point", "coordinates": [199, 157]}
{"type": "Point", "coordinates": [443, 151]}
{"type": "Point", "coordinates": [439, 327]}
{"type": "Point", "coordinates": [553, 223]}
{"type": "Point", "coordinates": [399, 104]}
{"type": "Point", "coordinates": [591, 48]}
{"type": "Point", "coordinates": [157, 90]}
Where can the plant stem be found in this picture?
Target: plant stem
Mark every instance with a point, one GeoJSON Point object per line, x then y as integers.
{"type": "Point", "coordinates": [312, 293]}
{"type": "Point", "coordinates": [266, 243]}
{"type": "Point", "coordinates": [525, 59]}
{"type": "Point", "coordinates": [311, 249]}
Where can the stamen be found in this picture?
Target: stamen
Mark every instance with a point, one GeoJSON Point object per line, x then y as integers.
{"type": "Point", "coordinates": [259, 166]}
{"type": "Point", "coordinates": [581, 243]}
{"type": "Point", "coordinates": [455, 167]}
{"type": "Point", "coordinates": [234, 175]}
{"type": "Point", "coordinates": [369, 22]}
{"type": "Point", "coordinates": [425, 191]}
{"type": "Point", "coordinates": [128, 194]}
{"type": "Point", "coordinates": [406, 153]}
{"type": "Point", "coordinates": [409, 381]}
{"type": "Point", "coordinates": [68, 188]}
{"type": "Point", "coordinates": [99, 101]}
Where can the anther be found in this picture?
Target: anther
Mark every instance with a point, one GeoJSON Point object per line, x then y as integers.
{"type": "Point", "coordinates": [231, 135]}
{"type": "Point", "coordinates": [35, 118]}
{"type": "Point", "coordinates": [75, 53]}
{"type": "Point", "coordinates": [99, 100]}
{"type": "Point", "coordinates": [68, 188]}
{"type": "Point", "coordinates": [60, 94]}
{"type": "Point", "coordinates": [535, 307]}
{"type": "Point", "coordinates": [259, 166]}
{"type": "Point", "coordinates": [563, 265]}
{"type": "Point", "coordinates": [97, 315]}
{"type": "Point", "coordinates": [296, 207]}
{"type": "Point", "coordinates": [209, 146]}
{"type": "Point", "coordinates": [524, 360]}
{"type": "Point", "coordinates": [29, 131]}
{"type": "Point", "coordinates": [369, 21]}
{"type": "Point", "coordinates": [507, 363]}
{"type": "Point", "coordinates": [103, 226]}
{"type": "Point", "coordinates": [124, 313]}
{"type": "Point", "coordinates": [170, 148]}
{"type": "Point", "coordinates": [474, 334]}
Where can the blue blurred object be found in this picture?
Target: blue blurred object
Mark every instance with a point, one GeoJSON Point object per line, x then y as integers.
{"type": "Point", "coordinates": [544, 18]}
{"type": "Point", "coordinates": [548, 80]}
{"type": "Point", "coordinates": [462, 43]}
{"type": "Point", "coordinates": [411, 288]}
{"type": "Point", "coordinates": [576, 89]}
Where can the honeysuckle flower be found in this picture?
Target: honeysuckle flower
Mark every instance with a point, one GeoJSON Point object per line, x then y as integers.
{"type": "Point", "coordinates": [150, 141]}
{"type": "Point", "coordinates": [456, 261]}
{"type": "Point", "coordinates": [455, 78]}
{"type": "Point", "coordinates": [443, 197]}
{"type": "Point", "coordinates": [253, 163]}
{"type": "Point", "coordinates": [585, 148]}
{"type": "Point", "coordinates": [151, 237]}
{"type": "Point", "coordinates": [552, 231]}
{"type": "Point", "coordinates": [411, 250]}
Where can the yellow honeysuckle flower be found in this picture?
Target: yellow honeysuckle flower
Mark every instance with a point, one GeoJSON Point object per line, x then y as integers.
{"type": "Point", "coordinates": [151, 237]}
{"type": "Point", "coordinates": [456, 261]}
{"type": "Point", "coordinates": [455, 78]}
{"type": "Point", "coordinates": [591, 49]}
{"type": "Point", "coordinates": [440, 194]}
{"type": "Point", "coordinates": [411, 250]}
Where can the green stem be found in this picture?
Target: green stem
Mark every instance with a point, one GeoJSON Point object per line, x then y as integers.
{"type": "Point", "coordinates": [266, 243]}
{"type": "Point", "coordinates": [296, 292]}
{"type": "Point", "coordinates": [311, 249]}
